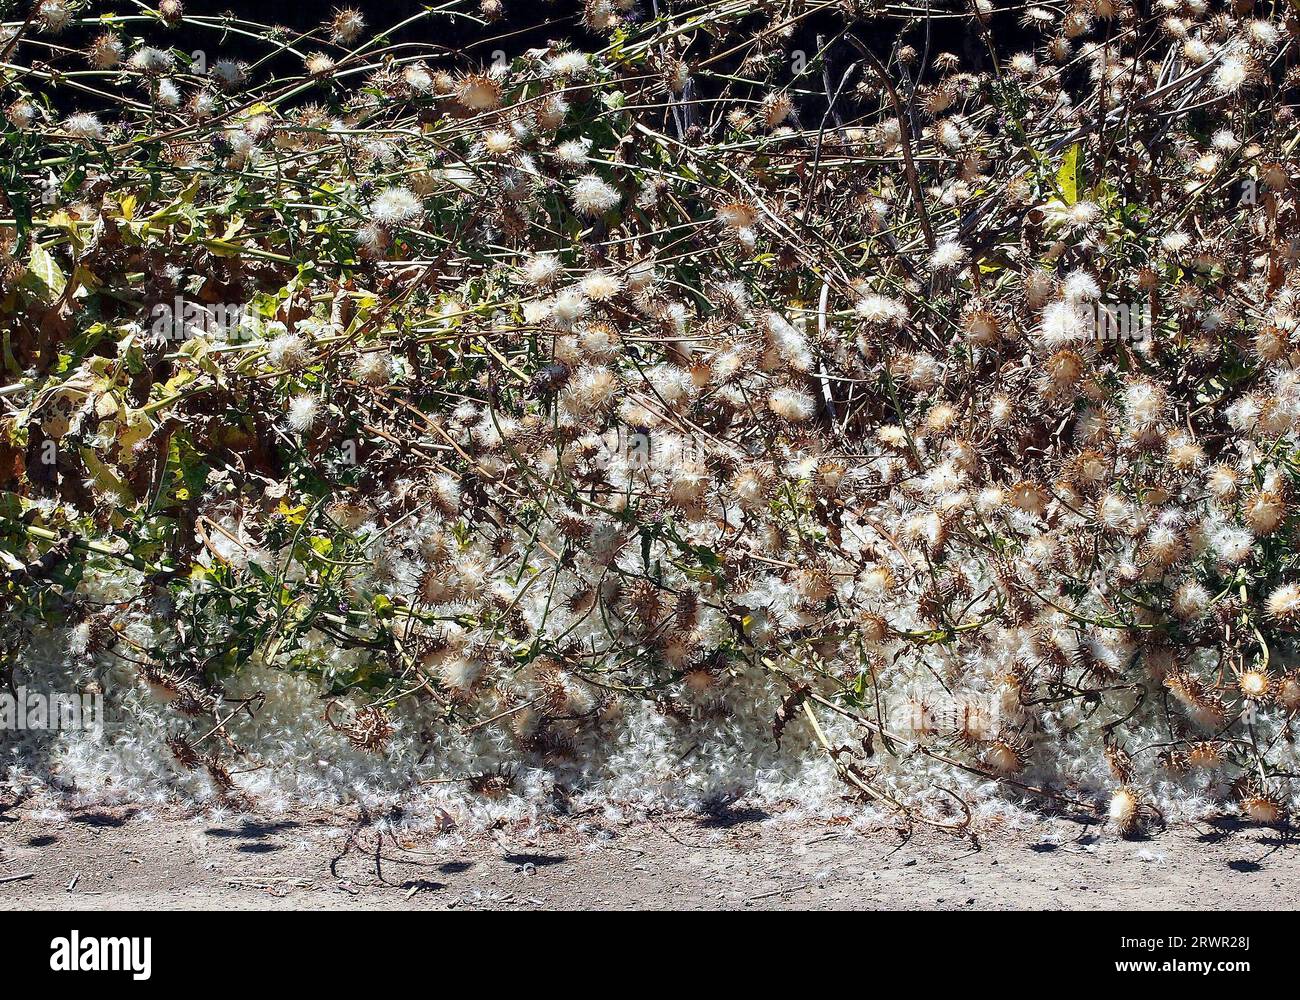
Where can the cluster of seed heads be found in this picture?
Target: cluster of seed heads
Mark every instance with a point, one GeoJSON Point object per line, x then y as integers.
{"type": "Point", "coordinates": [736, 343]}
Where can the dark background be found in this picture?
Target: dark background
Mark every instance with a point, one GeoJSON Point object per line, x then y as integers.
{"type": "Point", "coordinates": [526, 23]}
{"type": "Point", "coordinates": [540, 20]}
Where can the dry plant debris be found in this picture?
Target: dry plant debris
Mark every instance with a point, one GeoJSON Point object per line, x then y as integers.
{"type": "Point", "coordinates": [898, 399]}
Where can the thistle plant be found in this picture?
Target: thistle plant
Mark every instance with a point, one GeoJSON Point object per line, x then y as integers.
{"type": "Point", "coordinates": [732, 401]}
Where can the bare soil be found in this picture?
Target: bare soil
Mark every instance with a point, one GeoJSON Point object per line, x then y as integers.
{"type": "Point", "coordinates": [111, 859]}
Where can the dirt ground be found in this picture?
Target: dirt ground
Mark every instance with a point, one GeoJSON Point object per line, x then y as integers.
{"type": "Point", "coordinates": [124, 859]}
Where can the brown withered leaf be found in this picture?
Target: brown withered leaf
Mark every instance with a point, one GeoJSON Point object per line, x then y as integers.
{"type": "Point", "coordinates": [788, 707]}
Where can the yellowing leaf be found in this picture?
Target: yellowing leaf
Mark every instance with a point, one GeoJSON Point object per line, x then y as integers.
{"type": "Point", "coordinates": [46, 274]}
{"type": "Point", "coordinates": [1067, 177]}
{"type": "Point", "coordinates": [106, 406]}
{"type": "Point", "coordinates": [294, 515]}
{"type": "Point", "coordinates": [84, 280]}
{"type": "Point", "coordinates": [62, 220]}
{"type": "Point", "coordinates": [102, 475]}
{"type": "Point", "coordinates": [134, 427]}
